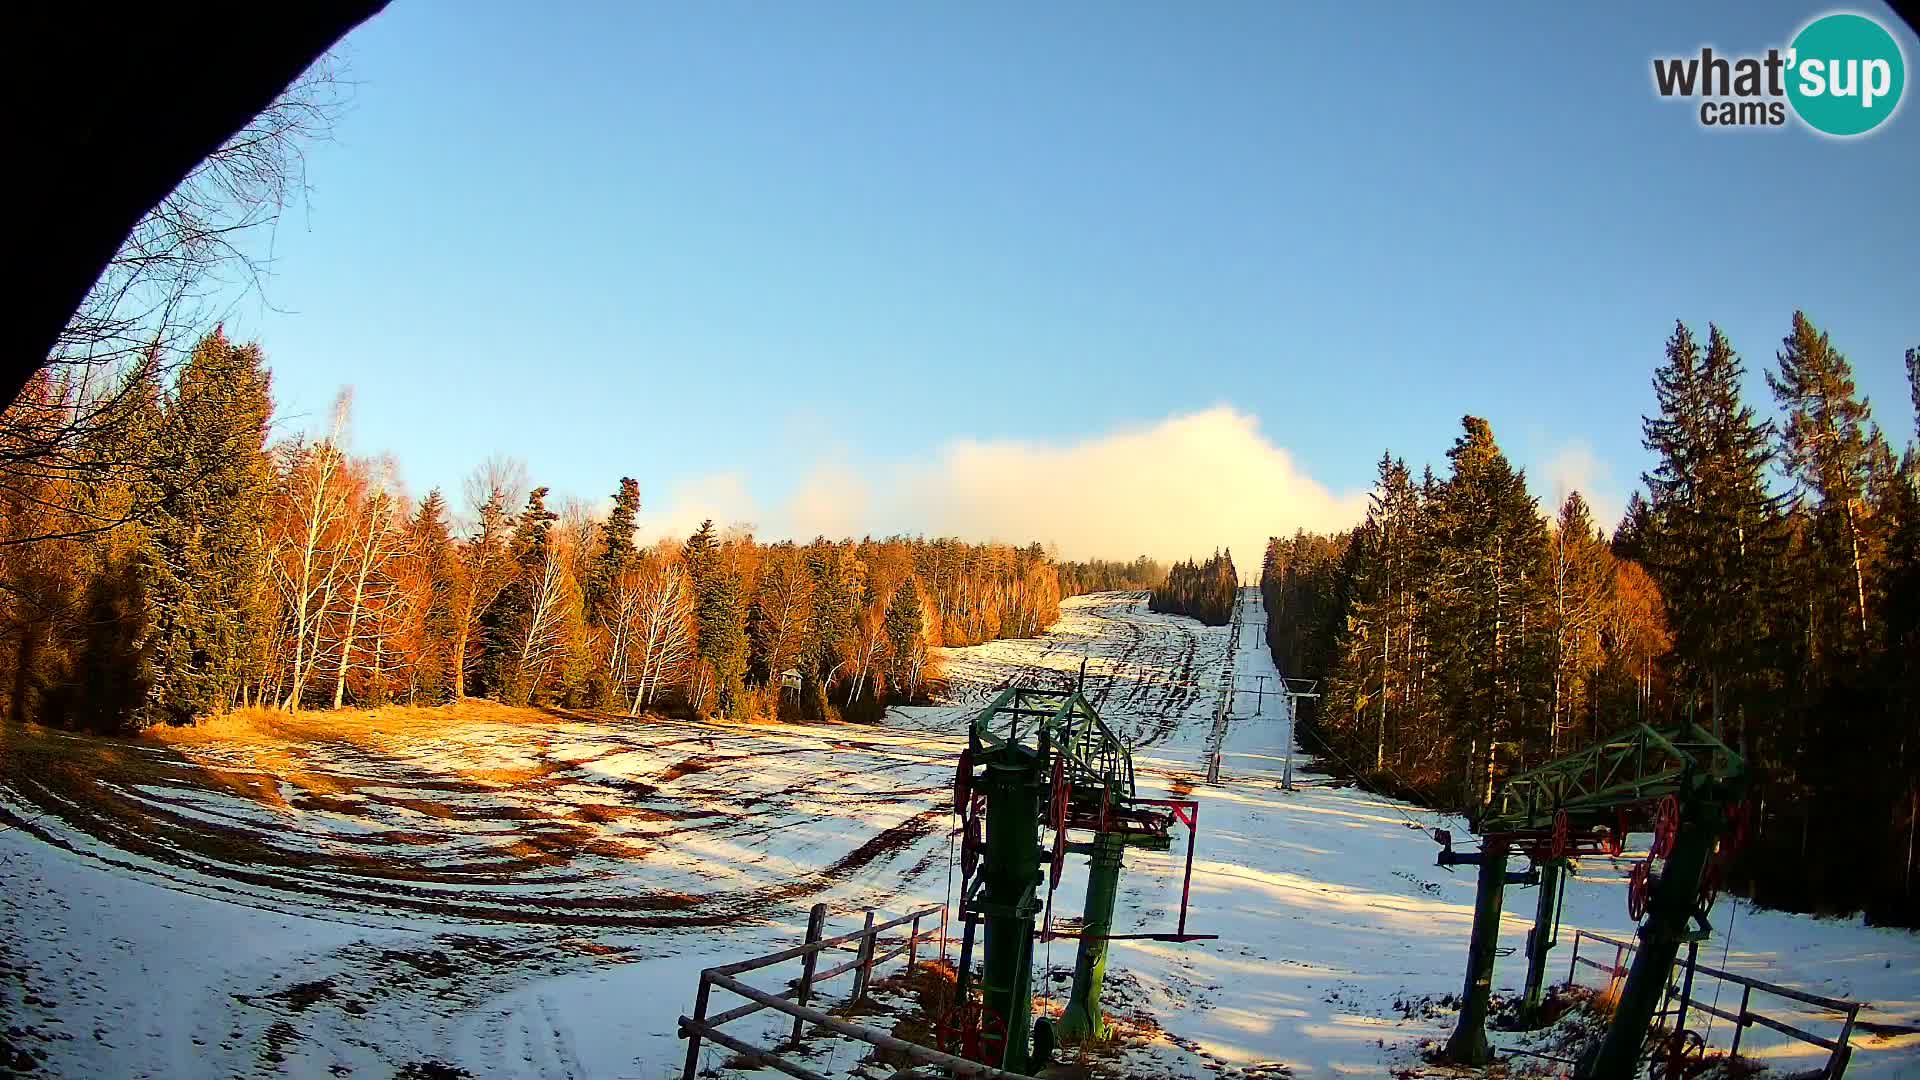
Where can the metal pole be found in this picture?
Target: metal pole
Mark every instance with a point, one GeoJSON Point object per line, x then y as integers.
{"type": "Point", "coordinates": [913, 944]}
{"type": "Point", "coordinates": [964, 978]}
{"type": "Point", "coordinates": [1186, 880]}
{"type": "Point", "coordinates": [1468, 1045]}
{"type": "Point", "coordinates": [693, 1034]}
{"type": "Point", "coordinates": [816, 925]}
{"type": "Point", "coordinates": [1660, 937]}
{"type": "Point", "coordinates": [1082, 1019]}
{"type": "Point", "coordinates": [1540, 939]}
{"type": "Point", "coordinates": [1686, 986]}
{"type": "Point", "coordinates": [1010, 872]}
{"type": "Point", "coordinates": [1740, 1025]}
{"type": "Point", "coordinates": [1293, 707]}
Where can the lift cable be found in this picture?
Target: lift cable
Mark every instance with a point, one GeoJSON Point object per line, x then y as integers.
{"type": "Point", "coordinates": [1733, 912]}
{"type": "Point", "coordinates": [1391, 801]}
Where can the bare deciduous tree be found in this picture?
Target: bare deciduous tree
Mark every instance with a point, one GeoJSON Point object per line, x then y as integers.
{"type": "Point", "coordinates": [313, 502]}
{"type": "Point", "coordinates": [662, 600]}
{"type": "Point", "coordinates": [198, 252]}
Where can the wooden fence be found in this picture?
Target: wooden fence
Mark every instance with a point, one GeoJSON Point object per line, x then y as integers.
{"type": "Point", "coordinates": [1681, 999]}
{"type": "Point", "coordinates": [868, 946]}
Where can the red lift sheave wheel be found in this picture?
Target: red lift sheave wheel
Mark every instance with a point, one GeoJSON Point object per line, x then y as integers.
{"type": "Point", "coordinates": [963, 782]}
{"type": "Point", "coordinates": [1639, 885]}
{"type": "Point", "coordinates": [1562, 834]}
{"type": "Point", "coordinates": [973, 841]}
{"type": "Point", "coordinates": [974, 1032]}
{"type": "Point", "coordinates": [1666, 826]}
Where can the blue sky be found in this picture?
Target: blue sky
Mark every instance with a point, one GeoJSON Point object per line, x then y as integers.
{"type": "Point", "coordinates": [802, 264]}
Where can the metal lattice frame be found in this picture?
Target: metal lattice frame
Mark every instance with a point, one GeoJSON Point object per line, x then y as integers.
{"type": "Point", "coordinates": [1096, 758]}
{"type": "Point", "coordinates": [1634, 765]}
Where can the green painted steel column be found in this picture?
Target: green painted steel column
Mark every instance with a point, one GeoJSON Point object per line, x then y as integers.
{"type": "Point", "coordinates": [1011, 872]}
{"type": "Point", "coordinates": [1661, 934]}
{"type": "Point", "coordinates": [1468, 1046]}
{"type": "Point", "coordinates": [1541, 939]}
{"type": "Point", "coordinates": [1082, 1019]}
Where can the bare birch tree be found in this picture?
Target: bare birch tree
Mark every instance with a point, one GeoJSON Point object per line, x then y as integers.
{"type": "Point", "coordinates": [314, 504]}
{"type": "Point", "coordinates": [553, 601]}
{"type": "Point", "coordinates": [372, 549]}
{"type": "Point", "coordinates": [662, 599]}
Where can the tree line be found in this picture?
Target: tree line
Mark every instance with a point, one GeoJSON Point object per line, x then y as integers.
{"type": "Point", "coordinates": [1203, 590]}
{"type": "Point", "coordinates": [1111, 575]}
{"type": "Point", "coordinates": [1765, 585]}
{"type": "Point", "coordinates": [163, 558]}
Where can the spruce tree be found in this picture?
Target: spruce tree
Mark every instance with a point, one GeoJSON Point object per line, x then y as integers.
{"type": "Point", "coordinates": [203, 555]}
{"type": "Point", "coordinates": [506, 623]}
{"type": "Point", "coordinates": [836, 595]}
{"type": "Point", "coordinates": [1829, 448]}
{"type": "Point", "coordinates": [1488, 600]}
{"type": "Point", "coordinates": [1715, 538]}
{"type": "Point", "coordinates": [719, 619]}
{"type": "Point", "coordinates": [906, 639]}
{"type": "Point", "coordinates": [432, 543]}
{"type": "Point", "coordinates": [1913, 383]}
{"type": "Point", "coordinates": [616, 554]}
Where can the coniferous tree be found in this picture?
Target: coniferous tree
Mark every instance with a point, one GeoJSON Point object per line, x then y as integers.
{"type": "Point", "coordinates": [432, 543]}
{"type": "Point", "coordinates": [516, 615]}
{"type": "Point", "coordinates": [1715, 538]}
{"type": "Point", "coordinates": [1913, 380]}
{"type": "Point", "coordinates": [835, 588]}
{"type": "Point", "coordinates": [486, 570]}
{"type": "Point", "coordinates": [203, 553]}
{"type": "Point", "coordinates": [616, 553]}
{"type": "Point", "coordinates": [1204, 591]}
{"type": "Point", "coordinates": [1829, 448]}
{"type": "Point", "coordinates": [1488, 605]}
{"type": "Point", "coordinates": [719, 617]}
{"type": "Point", "coordinates": [906, 640]}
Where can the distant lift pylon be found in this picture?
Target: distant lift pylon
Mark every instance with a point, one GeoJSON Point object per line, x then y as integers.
{"type": "Point", "coordinates": [1043, 760]}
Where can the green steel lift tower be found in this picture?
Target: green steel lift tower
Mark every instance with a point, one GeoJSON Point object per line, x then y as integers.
{"type": "Point", "coordinates": [1042, 761]}
{"type": "Point", "coordinates": [1683, 784]}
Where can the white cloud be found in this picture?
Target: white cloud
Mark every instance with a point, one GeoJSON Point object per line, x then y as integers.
{"type": "Point", "coordinates": [832, 501]}
{"type": "Point", "coordinates": [1177, 488]}
{"type": "Point", "coordinates": [721, 496]}
{"type": "Point", "coordinates": [1575, 467]}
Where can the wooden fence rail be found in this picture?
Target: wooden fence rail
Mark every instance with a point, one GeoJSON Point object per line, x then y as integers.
{"type": "Point", "coordinates": [867, 945]}
{"type": "Point", "coordinates": [1681, 999]}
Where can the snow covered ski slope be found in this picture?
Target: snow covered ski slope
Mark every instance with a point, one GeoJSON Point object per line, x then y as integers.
{"type": "Point", "coordinates": [532, 894]}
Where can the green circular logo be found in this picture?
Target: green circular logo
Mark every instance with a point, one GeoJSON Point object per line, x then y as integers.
{"type": "Point", "coordinates": [1845, 74]}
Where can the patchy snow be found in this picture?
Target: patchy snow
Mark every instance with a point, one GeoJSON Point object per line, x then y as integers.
{"type": "Point", "coordinates": [536, 899]}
